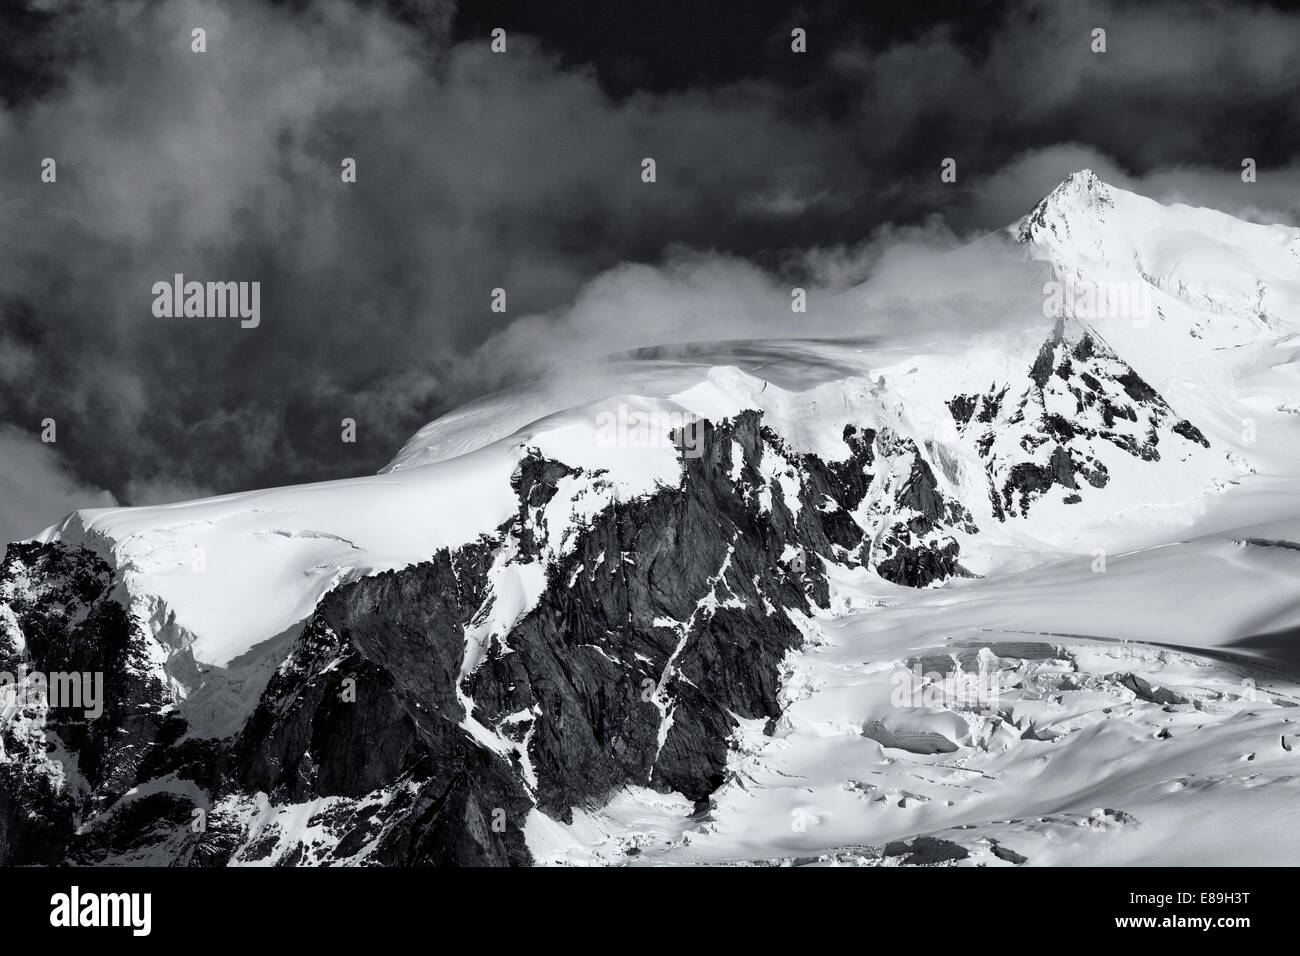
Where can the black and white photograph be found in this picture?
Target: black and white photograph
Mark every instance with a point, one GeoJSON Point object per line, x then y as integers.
{"type": "Point", "coordinates": [651, 434]}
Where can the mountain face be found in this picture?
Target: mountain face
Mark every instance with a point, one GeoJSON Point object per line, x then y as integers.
{"type": "Point", "coordinates": [480, 656]}
{"type": "Point", "coordinates": [1081, 402]}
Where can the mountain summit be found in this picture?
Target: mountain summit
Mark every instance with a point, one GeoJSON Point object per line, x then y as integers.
{"type": "Point", "coordinates": [1080, 195]}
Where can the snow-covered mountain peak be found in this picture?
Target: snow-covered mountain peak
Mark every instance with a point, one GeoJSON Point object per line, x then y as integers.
{"type": "Point", "coordinates": [1085, 222]}
{"type": "Point", "coordinates": [1080, 198]}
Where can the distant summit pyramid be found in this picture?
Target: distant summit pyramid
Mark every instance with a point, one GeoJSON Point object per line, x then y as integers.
{"type": "Point", "coordinates": [1080, 195]}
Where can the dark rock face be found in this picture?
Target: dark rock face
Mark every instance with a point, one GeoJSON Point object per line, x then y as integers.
{"type": "Point", "coordinates": [1145, 691]}
{"type": "Point", "coordinates": [1080, 400]}
{"type": "Point", "coordinates": [915, 546]}
{"type": "Point", "coordinates": [917, 743]}
{"type": "Point", "coordinates": [963, 407]}
{"type": "Point", "coordinates": [1006, 854]}
{"type": "Point", "coordinates": [1190, 432]}
{"type": "Point", "coordinates": [660, 624]}
{"type": "Point", "coordinates": [65, 620]}
{"type": "Point", "coordinates": [927, 851]}
{"type": "Point", "coordinates": [367, 698]}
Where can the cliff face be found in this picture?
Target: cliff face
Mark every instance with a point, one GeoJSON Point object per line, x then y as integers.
{"type": "Point", "coordinates": [59, 615]}
{"type": "Point", "coordinates": [1081, 405]}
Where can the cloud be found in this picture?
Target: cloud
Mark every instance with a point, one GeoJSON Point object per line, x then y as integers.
{"type": "Point", "coordinates": [1273, 198]}
{"type": "Point", "coordinates": [37, 487]}
{"type": "Point", "coordinates": [903, 284]}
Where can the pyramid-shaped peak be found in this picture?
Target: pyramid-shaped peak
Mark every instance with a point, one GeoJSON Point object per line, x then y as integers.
{"type": "Point", "coordinates": [1084, 178]}
{"type": "Point", "coordinates": [1082, 189]}
{"type": "Point", "coordinates": [1080, 193]}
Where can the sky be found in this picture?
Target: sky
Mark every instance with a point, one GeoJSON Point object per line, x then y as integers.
{"type": "Point", "coordinates": [522, 171]}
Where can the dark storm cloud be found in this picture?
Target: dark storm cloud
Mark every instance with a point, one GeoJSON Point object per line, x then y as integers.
{"type": "Point", "coordinates": [521, 171]}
